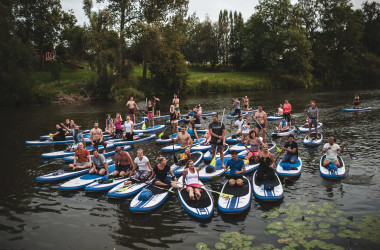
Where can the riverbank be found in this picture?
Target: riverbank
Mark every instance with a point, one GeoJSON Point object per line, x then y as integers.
{"type": "Point", "coordinates": [76, 83]}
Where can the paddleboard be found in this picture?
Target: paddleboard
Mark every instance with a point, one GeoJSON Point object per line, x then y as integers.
{"type": "Point", "coordinates": [294, 171]}
{"type": "Point", "coordinates": [311, 141]}
{"type": "Point", "coordinates": [325, 172]}
{"type": "Point", "coordinates": [305, 129]}
{"type": "Point", "coordinates": [196, 157]}
{"type": "Point", "coordinates": [208, 154]}
{"type": "Point", "coordinates": [267, 195]}
{"type": "Point", "coordinates": [150, 130]}
{"type": "Point", "coordinates": [284, 133]}
{"type": "Point", "coordinates": [64, 153]}
{"type": "Point", "coordinates": [241, 199]}
{"type": "Point", "coordinates": [177, 146]}
{"type": "Point", "coordinates": [357, 110]}
{"type": "Point", "coordinates": [123, 191]}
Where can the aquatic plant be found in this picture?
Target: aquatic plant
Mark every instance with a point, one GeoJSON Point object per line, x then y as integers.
{"type": "Point", "coordinates": [302, 225]}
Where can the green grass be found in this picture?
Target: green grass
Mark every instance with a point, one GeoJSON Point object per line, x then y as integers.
{"type": "Point", "coordinates": [67, 74]}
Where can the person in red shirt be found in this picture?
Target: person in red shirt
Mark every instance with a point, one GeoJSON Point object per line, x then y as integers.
{"type": "Point", "coordinates": [82, 158]}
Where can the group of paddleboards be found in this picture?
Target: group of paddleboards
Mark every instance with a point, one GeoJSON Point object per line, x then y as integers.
{"type": "Point", "coordinates": [247, 164]}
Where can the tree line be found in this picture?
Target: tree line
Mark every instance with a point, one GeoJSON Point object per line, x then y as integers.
{"type": "Point", "coordinates": [309, 43]}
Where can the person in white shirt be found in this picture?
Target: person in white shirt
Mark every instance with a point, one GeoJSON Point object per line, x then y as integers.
{"type": "Point", "coordinates": [128, 128]}
{"type": "Point", "coordinates": [144, 170]}
{"type": "Point", "coordinates": [238, 124]}
{"type": "Point", "coordinates": [191, 180]}
{"type": "Point", "coordinates": [331, 149]}
{"type": "Point", "coordinates": [245, 128]}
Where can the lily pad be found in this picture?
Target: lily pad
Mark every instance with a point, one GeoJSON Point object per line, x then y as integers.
{"type": "Point", "coordinates": [278, 225]}
{"type": "Point", "coordinates": [267, 246]}
{"type": "Point", "coordinates": [270, 231]}
{"type": "Point", "coordinates": [264, 215]}
{"type": "Point", "coordinates": [324, 225]}
{"type": "Point", "coordinates": [247, 243]}
{"type": "Point", "coordinates": [282, 235]}
{"type": "Point", "coordinates": [201, 245]}
{"type": "Point", "coordinates": [342, 235]}
{"type": "Point", "coordinates": [225, 235]}
{"type": "Point", "coordinates": [220, 245]}
{"type": "Point", "coordinates": [250, 237]}
{"type": "Point", "coordinates": [285, 240]}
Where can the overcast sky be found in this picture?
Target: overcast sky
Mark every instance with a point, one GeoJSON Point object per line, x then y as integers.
{"type": "Point", "coordinates": [201, 7]}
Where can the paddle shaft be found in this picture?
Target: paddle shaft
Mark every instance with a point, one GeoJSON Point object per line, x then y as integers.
{"type": "Point", "coordinates": [253, 116]}
{"type": "Point", "coordinates": [352, 156]}
{"type": "Point", "coordinates": [223, 194]}
{"type": "Point", "coordinates": [151, 184]}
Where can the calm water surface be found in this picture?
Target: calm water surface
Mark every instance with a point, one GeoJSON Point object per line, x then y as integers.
{"type": "Point", "coordinates": [38, 216]}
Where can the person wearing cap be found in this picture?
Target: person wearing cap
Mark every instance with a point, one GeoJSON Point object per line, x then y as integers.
{"type": "Point", "coordinates": [217, 131]}
{"type": "Point", "coordinates": [291, 149]}
{"type": "Point", "coordinates": [237, 168]}
{"type": "Point", "coordinates": [99, 163]}
{"type": "Point", "coordinates": [123, 163]}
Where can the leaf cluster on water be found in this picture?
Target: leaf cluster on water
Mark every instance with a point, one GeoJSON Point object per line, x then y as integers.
{"type": "Point", "coordinates": [302, 225]}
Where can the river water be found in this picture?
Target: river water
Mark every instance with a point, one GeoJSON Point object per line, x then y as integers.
{"type": "Point", "coordinates": [38, 216]}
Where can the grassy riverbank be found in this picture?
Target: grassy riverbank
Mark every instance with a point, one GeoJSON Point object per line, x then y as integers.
{"type": "Point", "coordinates": [76, 81]}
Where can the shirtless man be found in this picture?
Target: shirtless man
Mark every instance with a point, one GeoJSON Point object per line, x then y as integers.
{"type": "Point", "coordinates": [131, 108]}
{"type": "Point", "coordinates": [176, 104]}
{"type": "Point", "coordinates": [123, 163]}
{"type": "Point", "coordinates": [96, 137]}
{"type": "Point", "coordinates": [186, 143]}
{"type": "Point", "coordinates": [246, 104]}
{"type": "Point", "coordinates": [261, 122]}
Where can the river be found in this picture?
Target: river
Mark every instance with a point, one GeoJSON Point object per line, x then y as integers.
{"type": "Point", "coordinates": [39, 216]}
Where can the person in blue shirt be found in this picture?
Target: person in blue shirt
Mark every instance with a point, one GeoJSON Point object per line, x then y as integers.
{"type": "Point", "coordinates": [237, 168]}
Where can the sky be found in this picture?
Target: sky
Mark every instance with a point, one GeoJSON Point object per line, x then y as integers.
{"type": "Point", "coordinates": [202, 8]}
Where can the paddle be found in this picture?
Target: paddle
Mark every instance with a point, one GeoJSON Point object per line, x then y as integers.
{"type": "Point", "coordinates": [352, 156]}
{"type": "Point", "coordinates": [277, 148]}
{"type": "Point", "coordinates": [216, 177]}
{"type": "Point", "coordinates": [210, 190]}
{"type": "Point", "coordinates": [174, 156]}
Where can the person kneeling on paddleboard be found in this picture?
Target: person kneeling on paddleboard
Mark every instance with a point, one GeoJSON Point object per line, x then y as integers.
{"type": "Point", "coordinates": [331, 149]}
{"type": "Point", "coordinates": [144, 170]}
{"type": "Point", "coordinates": [283, 125]}
{"type": "Point", "coordinates": [291, 149]}
{"type": "Point", "coordinates": [160, 174]}
{"type": "Point", "coordinates": [123, 163]}
{"type": "Point", "coordinates": [99, 164]}
{"type": "Point", "coordinates": [191, 180]}
{"type": "Point", "coordinates": [82, 158]}
{"type": "Point", "coordinates": [237, 168]}
{"type": "Point", "coordinates": [254, 150]}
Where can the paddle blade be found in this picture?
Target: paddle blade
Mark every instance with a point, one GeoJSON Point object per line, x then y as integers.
{"type": "Point", "coordinates": [161, 134]}
{"type": "Point", "coordinates": [143, 126]}
{"type": "Point", "coordinates": [213, 162]}
{"type": "Point", "coordinates": [229, 130]}
{"type": "Point", "coordinates": [214, 178]}
{"type": "Point", "coordinates": [175, 158]}
{"type": "Point", "coordinates": [353, 157]}
{"type": "Point", "coordinates": [278, 150]}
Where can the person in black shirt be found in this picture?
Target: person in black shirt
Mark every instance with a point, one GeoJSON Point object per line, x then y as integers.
{"type": "Point", "coordinates": [60, 135]}
{"type": "Point", "coordinates": [195, 117]}
{"type": "Point", "coordinates": [217, 131]}
{"type": "Point", "coordinates": [291, 149]}
{"type": "Point", "coordinates": [160, 174]}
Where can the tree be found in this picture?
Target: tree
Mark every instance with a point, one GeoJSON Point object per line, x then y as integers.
{"type": "Point", "coordinates": [41, 22]}
{"type": "Point", "coordinates": [371, 36]}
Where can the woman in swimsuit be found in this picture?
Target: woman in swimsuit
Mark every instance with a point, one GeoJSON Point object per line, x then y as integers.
{"type": "Point", "coordinates": [191, 179]}
{"type": "Point", "coordinates": [357, 101]}
{"type": "Point", "coordinates": [119, 129]}
{"type": "Point", "coordinates": [173, 114]}
{"type": "Point", "coordinates": [192, 131]}
{"type": "Point", "coordinates": [150, 110]}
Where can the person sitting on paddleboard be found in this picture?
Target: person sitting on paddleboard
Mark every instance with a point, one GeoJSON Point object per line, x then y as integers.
{"type": "Point", "coordinates": [331, 149]}
{"type": "Point", "coordinates": [261, 122]}
{"type": "Point", "coordinates": [173, 118]}
{"type": "Point", "coordinates": [280, 111]}
{"type": "Point", "coordinates": [78, 137]}
{"type": "Point", "coordinates": [237, 168]}
{"type": "Point", "coordinates": [157, 105]}
{"type": "Point", "coordinates": [287, 112]}
{"type": "Point", "coordinates": [191, 180]}
{"type": "Point", "coordinates": [108, 122]}
{"type": "Point", "coordinates": [111, 128]}
{"type": "Point", "coordinates": [160, 174]}
{"type": "Point", "coordinates": [186, 143]}
{"type": "Point", "coordinates": [217, 131]}
{"type": "Point", "coordinates": [266, 166]}
{"type": "Point", "coordinates": [199, 109]}
{"type": "Point", "coordinates": [291, 149]}
{"type": "Point", "coordinates": [123, 163]}
{"type": "Point", "coordinates": [313, 113]}
{"type": "Point", "coordinates": [283, 125]}
{"type": "Point", "coordinates": [238, 123]}
{"type": "Point", "coordinates": [357, 101]}
{"type": "Point", "coordinates": [96, 137]}
{"type": "Point", "coordinates": [207, 135]}
{"type": "Point", "coordinates": [131, 108]}
{"type": "Point", "coordinates": [236, 106]}
{"type": "Point", "coordinates": [82, 158]}
{"type": "Point", "coordinates": [99, 163]}
{"type": "Point", "coordinates": [245, 128]}
{"type": "Point", "coordinates": [150, 110]}
{"type": "Point", "coordinates": [254, 150]}
{"type": "Point", "coordinates": [144, 169]}
{"type": "Point", "coordinates": [192, 130]}
{"type": "Point", "coordinates": [60, 135]}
